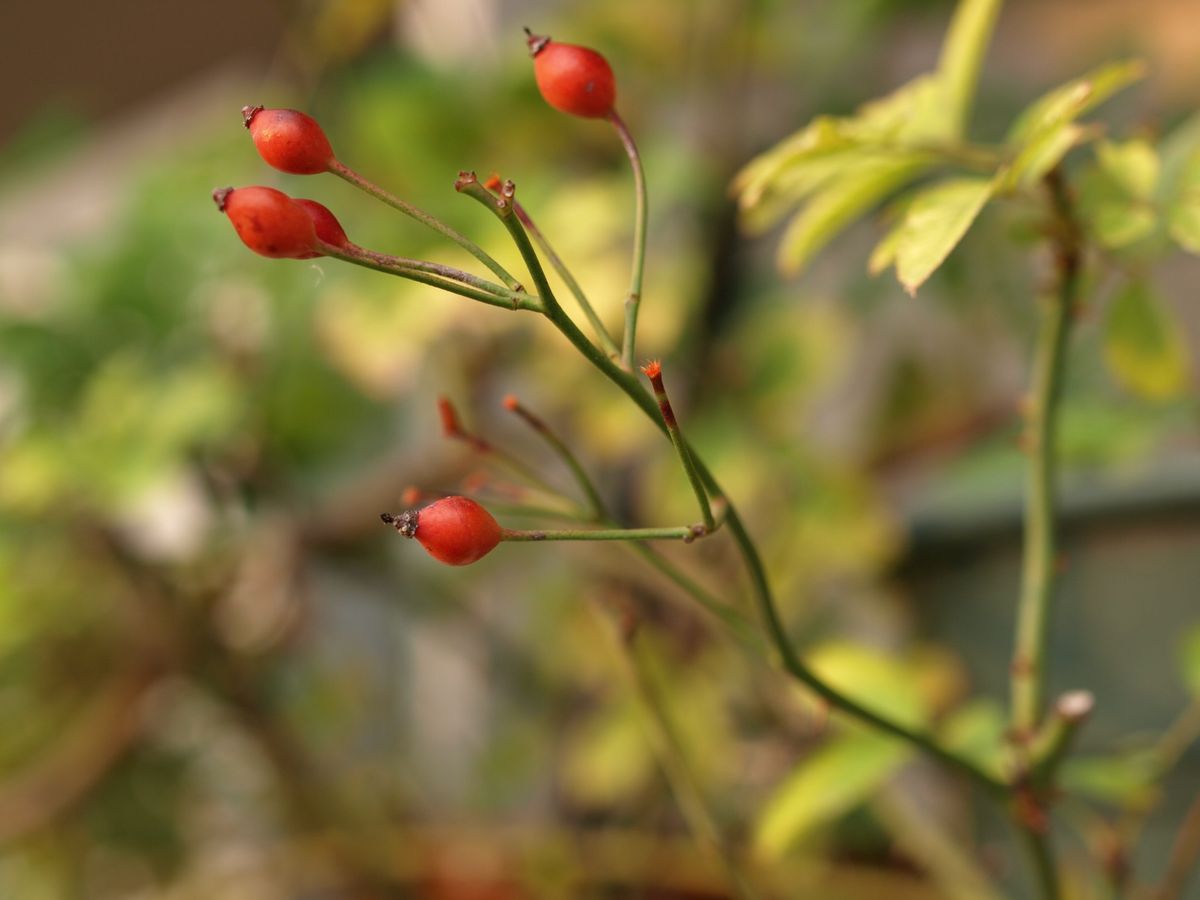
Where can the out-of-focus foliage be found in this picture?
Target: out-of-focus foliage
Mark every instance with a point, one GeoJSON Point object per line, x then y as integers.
{"type": "Point", "coordinates": [222, 677]}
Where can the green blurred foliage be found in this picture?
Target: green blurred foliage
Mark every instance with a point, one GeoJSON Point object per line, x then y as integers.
{"type": "Point", "coordinates": [207, 644]}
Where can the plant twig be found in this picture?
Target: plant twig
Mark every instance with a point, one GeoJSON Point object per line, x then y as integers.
{"type": "Point", "coordinates": [534, 421]}
{"type": "Point", "coordinates": [347, 174]}
{"type": "Point", "coordinates": [653, 371]}
{"type": "Point", "coordinates": [1054, 742]}
{"type": "Point", "coordinates": [1037, 580]}
{"type": "Point", "coordinates": [437, 275]}
{"type": "Point", "coordinates": [628, 383]}
{"type": "Point", "coordinates": [737, 624]}
{"type": "Point", "coordinates": [634, 300]}
{"type": "Point", "coordinates": [685, 533]}
{"type": "Point", "coordinates": [564, 273]}
{"type": "Point", "coordinates": [1185, 853]}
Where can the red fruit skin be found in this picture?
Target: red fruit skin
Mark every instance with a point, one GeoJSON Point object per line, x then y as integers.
{"type": "Point", "coordinates": [575, 80]}
{"type": "Point", "coordinates": [289, 140]}
{"type": "Point", "coordinates": [328, 228]}
{"type": "Point", "coordinates": [269, 222]}
{"type": "Point", "coordinates": [457, 531]}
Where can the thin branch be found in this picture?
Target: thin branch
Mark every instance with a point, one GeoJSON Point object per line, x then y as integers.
{"type": "Point", "coordinates": [634, 300]}
{"type": "Point", "coordinates": [564, 273]}
{"type": "Point", "coordinates": [1184, 855]}
{"type": "Point", "coordinates": [346, 173]}
{"type": "Point", "coordinates": [1037, 581]}
{"type": "Point", "coordinates": [653, 371]}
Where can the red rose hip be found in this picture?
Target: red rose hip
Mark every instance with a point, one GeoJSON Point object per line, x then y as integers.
{"type": "Point", "coordinates": [269, 222]}
{"type": "Point", "coordinates": [572, 79]}
{"type": "Point", "coordinates": [288, 140]}
{"type": "Point", "coordinates": [329, 229]}
{"type": "Point", "coordinates": [454, 530]}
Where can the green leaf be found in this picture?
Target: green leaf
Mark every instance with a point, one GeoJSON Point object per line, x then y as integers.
{"type": "Point", "coordinates": [1189, 660]}
{"type": "Point", "coordinates": [1114, 216]}
{"type": "Point", "coordinates": [962, 57]}
{"type": "Point", "coordinates": [884, 254]}
{"type": "Point", "coordinates": [782, 175]}
{"type": "Point", "coordinates": [1183, 217]}
{"type": "Point", "coordinates": [1121, 779]}
{"type": "Point", "coordinates": [1142, 344]}
{"type": "Point", "coordinates": [1177, 150]}
{"type": "Point", "coordinates": [841, 202]}
{"type": "Point", "coordinates": [1041, 154]}
{"type": "Point", "coordinates": [1071, 100]}
{"type": "Point", "coordinates": [935, 222]}
{"type": "Point", "coordinates": [1133, 165]}
{"type": "Point", "coordinates": [913, 112]}
{"type": "Point", "coordinates": [976, 731]}
{"type": "Point", "coordinates": [828, 783]}
{"type": "Point", "coordinates": [883, 683]}
{"type": "Point", "coordinates": [606, 760]}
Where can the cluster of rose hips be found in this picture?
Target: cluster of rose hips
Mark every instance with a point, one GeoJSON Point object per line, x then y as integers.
{"type": "Point", "coordinates": [455, 530]}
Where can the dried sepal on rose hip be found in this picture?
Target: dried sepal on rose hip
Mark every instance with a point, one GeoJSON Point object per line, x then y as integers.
{"type": "Point", "coordinates": [454, 530]}
{"type": "Point", "coordinates": [573, 79]}
{"type": "Point", "coordinates": [289, 140]}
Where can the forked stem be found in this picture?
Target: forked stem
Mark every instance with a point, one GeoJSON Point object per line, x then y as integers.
{"type": "Point", "coordinates": [344, 172]}
{"type": "Point", "coordinates": [437, 275]}
{"type": "Point", "coordinates": [653, 371]}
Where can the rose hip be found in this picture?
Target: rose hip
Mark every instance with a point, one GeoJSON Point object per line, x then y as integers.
{"type": "Point", "coordinates": [269, 222]}
{"type": "Point", "coordinates": [572, 79]}
{"type": "Point", "coordinates": [329, 229]}
{"type": "Point", "coordinates": [288, 140]}
{"type": "Point", "coordinates": [454, 530]}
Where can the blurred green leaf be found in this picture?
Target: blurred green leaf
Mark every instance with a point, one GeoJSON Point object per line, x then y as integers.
{"type": "Point", "coordinates": [936, 220]}
{"type": "Point", "coordinates": [1133, 165]}
{"type": "Point", "coordinates": [840, 203]}
{"type": "Point", "coordinates": [886, 684]}
{"type": "Point", "coordinates": [607, 759]}
{"type": "Point", "coordinates": [832, 156]}
{"type": "Point", "coordinates": [1122, 778]}
{"type": "Point", "coordinates": [825, 785]}
{"type": "Point", "coordinates": [1143, 345]}
{"type": "Point", "coordinates": [1042, 153]}
{"type": "Point", "coordinates": [1066, 103]}
{"type": "Point", "coordinates": [1184, 212]}
{"type": "Point", "coordinates": [962, 57]}
{"type": "Point", "coordinates": [1115, 217]}
{"type": "Point", "coordinates": [976, 730]}
{"type": "Point", "coordinates": [1189, 660]}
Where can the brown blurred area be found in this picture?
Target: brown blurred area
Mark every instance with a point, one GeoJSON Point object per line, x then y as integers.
{"type": "Point", "coordinates": [98, 59]}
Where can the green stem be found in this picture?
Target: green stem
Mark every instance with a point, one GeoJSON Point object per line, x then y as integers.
{"type": "Point", "coordinates": [346, 173]}
{"type": "Point", "coordinates": [564, 452]}
{"type": "Point", "coordinates": [436, 275]}
{"type": "Point", "coordinates": [1037, 579]}
{"type": "Point", "coordinates": [1038, 845]}
{"type": "Point", "coordinates": [654, 373]}
{"type": "Point", "coordinates": [634, 300]}
{"type": "Point", "coordinates": [686, 533]}
{"type": "Point", "coordinates": [1184, 854]}
{"type": "Point", "coordinates": [572, 284]}
{"type": "Point", "coordinates": [739, 626]}
{"type": "Point", "coordinates": [632, 387]}
{"type": "Point", "coordinates": [1054, 742]}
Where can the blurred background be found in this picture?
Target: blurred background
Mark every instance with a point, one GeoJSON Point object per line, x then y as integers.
{"type": "Point", "coordinates": [221, 677]}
